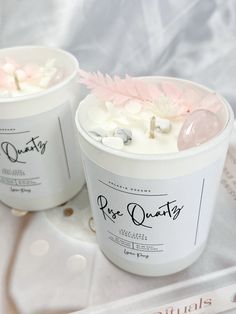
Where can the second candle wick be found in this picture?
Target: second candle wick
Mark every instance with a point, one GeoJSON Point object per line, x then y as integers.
{"type": "Point", "coordinates": [152, 127]}
{"type": "Point", "coordinates": [17, 82]}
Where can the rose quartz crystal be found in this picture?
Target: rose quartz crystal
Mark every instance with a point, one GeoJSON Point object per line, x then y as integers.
{"type": "Point", "coordinates": [199, 127]}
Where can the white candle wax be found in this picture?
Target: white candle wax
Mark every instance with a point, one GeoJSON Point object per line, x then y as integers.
{"type": "Point", "coordinates": [99, 118]}
{"type": "Point", "coordinates": [152, 205]}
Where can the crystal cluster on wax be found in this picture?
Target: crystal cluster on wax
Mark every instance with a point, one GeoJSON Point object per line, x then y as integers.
{"type": "Point", "coordinates": [20, 79]}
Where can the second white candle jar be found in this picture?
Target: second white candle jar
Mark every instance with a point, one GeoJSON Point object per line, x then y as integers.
{"type": "Point", "coordinates": [40, 164]}
{"type": "Point", "coordinates": [153, 211]}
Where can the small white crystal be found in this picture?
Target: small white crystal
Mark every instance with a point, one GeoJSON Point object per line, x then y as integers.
{"type": "Point", "coordinates": [9, 68]}
{"type": "Point", "coordinates": [163, 125]}
{"type": "Point", "coordinates": [113, 142]}
{"type": "Point", "coordinates": [46, 80]}
{"type": "Point", "coordinates": [133, 107]}
{"type": "Point", "coordinates": [49, 71]}
{"type": "Point", "coordinates": [57, 77]}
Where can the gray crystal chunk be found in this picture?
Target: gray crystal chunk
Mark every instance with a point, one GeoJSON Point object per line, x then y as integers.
{"type": "Point", "coordinates": [125, 134]}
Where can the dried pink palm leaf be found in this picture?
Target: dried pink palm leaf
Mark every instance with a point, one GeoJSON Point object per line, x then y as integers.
{"type": "Point", "coordinates": [170, 100]}
{"type": "Point", "coordinates": [119, 90]}
{"type": "Point", "coordinates": [211, 102]}
{"type": "Point", "coordinates": [171, 90]}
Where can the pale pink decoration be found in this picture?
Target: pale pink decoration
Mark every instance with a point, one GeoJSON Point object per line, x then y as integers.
{"type": "Point", "coordinates": [32, 71]}
{"type": "Point", "coordinates": [191, 98]}
{"type": "Point", "coordinates": [12, 61]}
{"type": "Point", "coordinates": [7, 80]}
{"type": "Point", "coordinates": [171, 90]}
{"type": "Point", "coordinates": [20, 78]}
{"type": "Point", "coordinates": [185, 109]}
{"type": "Point", "coordinates": [190, 101]}
{"type": "Point", "coordinates": [199, 127]}
{"type": "Point", "coordinates": [211, 102]}
{"type": "Point", "coordinates": [118, 90]}
{"type": "Point", "coordinates": [169, 100]}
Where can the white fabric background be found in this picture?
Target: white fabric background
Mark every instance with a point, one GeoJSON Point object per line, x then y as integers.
{"type": "Point", "coordinates": [194, 39]}
{"type": "Point", "coordinates": [190, 39]}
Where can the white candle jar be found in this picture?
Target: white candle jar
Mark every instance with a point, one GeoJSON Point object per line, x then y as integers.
{"type": "Point", "coordinates": [153, 212]}
{"type": "Point", "coordinates": [40, 165]}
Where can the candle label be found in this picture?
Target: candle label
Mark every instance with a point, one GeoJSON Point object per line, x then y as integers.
{"type": "Point", "coordinates": [37, 153]}
{"type": "Point", "coordinates": [152, 220]}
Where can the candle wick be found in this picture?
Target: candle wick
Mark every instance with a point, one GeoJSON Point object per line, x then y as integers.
{"type": "Point", "coordinates": [17, 82]}
{"type": "Point", "coordinates": [152, 127]}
